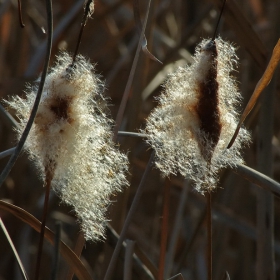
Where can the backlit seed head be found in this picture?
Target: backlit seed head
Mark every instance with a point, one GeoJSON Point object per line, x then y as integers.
{"type": "Point", "coordinates": [71, 139]}
{"type": "Point", "coordinates": [197, 116]}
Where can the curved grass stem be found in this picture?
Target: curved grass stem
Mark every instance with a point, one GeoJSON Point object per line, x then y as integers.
{"type": "Point", "coordinates": [22, 25]}
{"type": "Point", "coordinates": [87, 13]}
{"type": "Point", "coordinates": [164, 229]}
{"type": "Point", "coordinates": [44, 219]}
{"type": "Point", "coordinates": [26, 131]}
{"type": "Point", "coordinates": [136, 200]}
{"type": "Point", "coordinates": [209, 235]}
{"type": "Point", "coordinates": [130, 78]}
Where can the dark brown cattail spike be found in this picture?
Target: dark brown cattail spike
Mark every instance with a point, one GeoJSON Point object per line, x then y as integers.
{"type": "Point", "coordinates": [89, 8]}
{"type": "Point", "coordinates": [207, 107]}
{"type": "Point", "coordinates": [197, 114]}
{"type": "Point", "coordinates": [20, 15]}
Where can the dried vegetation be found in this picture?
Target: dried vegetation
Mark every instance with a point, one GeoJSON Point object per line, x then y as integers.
{"type": "Point", "coordinates": [246, 237]}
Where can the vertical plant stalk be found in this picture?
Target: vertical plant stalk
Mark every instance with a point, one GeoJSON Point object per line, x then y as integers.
{"type": "Point", "coordinates": [175, 231]}
{"type": "Point", "coordinates": [191, 241]}
{"type": "Point", "coordinates": [128, 259]}
{"type": "Point", "coordinates": [209, 235]}
{"type": "Point", "coordinates": [49, 177]}
{"type": "Point", "coordinates": [56, 249]}
{"type": "Point", "coordinates": [265, 208]}
{"type": "Point", "coordinates": [22, 25]}
{"type": "Point", "coordinates": [265, 268]}
{"type": "Point", "coordinates": [130, 78]}
{"type": "Point", "coordinates": [19, 262]}
{"type": "Point", "coordinates": [78, 251]}
{"type": "Point", "coordinates": [88, 11]}
{"type": "Point", "coordinates": [164, 229]}
{"type": "Point", "coordinates": [138, 22]}
{"type": "Point", "coordinates": [26, 131]}
{"type": "Point", "coordinates": [61, 26]}
{"type": "Point", "coordinates": [135, 202]}
{"type": "Point", "coordinates": [67, 254]}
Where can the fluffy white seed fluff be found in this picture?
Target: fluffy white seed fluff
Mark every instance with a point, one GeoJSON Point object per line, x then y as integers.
{"type": "Point", "coordinates": [71, 137]}
{"type": "Point", "coordinates": [173, 127]}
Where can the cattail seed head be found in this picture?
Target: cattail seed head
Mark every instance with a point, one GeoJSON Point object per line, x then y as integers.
{"type": "Point", "coordinates": [71, 139]}
{"type": "Point", "coordinates": [197, 116]}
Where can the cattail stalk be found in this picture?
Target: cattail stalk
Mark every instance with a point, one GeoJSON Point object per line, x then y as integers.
{"type": "Point", "coordinates": [48, 181]}
{"type": "Point", "coordinates": [71, 141]}
{"type": "Point", "coordinates": [197, 116]}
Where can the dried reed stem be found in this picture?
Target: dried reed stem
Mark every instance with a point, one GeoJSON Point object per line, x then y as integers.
{"type": "Point", "coordinates": [164, 229]}
{"type": "Point", "coordinates": [22, 25]}
{"type": "Point", "coordinates": [26, 131]}
{"type": "Point", "coordinates": [130, 78]}
{"type": "Point", "coordinates": [80, 242]}
{"type": "Point", "coordinates": [48, 181]}
{"type": "Point", "coordinates": [128, 220]}
{"type": "Point", "coordinates": [209, 235]}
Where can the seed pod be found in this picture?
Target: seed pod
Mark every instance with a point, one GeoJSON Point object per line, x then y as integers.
{"type": "Point", "coordinates": [207, 107]}
{"type": "Point", "coordinates": [197, 116]}
{"type": "Point", "coordinates": [71, 141]}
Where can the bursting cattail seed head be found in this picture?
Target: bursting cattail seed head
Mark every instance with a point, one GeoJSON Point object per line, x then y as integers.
{"type": "Point", "coordinates": [71, 141]}
{"type": "Point", "coordinates": [197, 116]}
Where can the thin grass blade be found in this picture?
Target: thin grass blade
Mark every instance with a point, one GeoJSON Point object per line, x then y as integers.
{"type": "Point", "coordinates": [177, 276]}
{"type": "Point", "coordinates": [226, 276]}
{"type": "Point", "coordinates": [68, 255]}
{"type": "Point", "coordinates": [132, 210]}
{"type": "Point", "coordinates": [130, 78]}
{"type": "Point", "coordinates": [24, 274]}
{"type": "Point", "coordinates": [139, 28]}
{"type": "Point", "coordinates": [26, 131]}
{"type": "Point", "coordinates": [261, 85]}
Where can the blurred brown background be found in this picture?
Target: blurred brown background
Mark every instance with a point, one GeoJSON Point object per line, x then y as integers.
{"type": "Point", "coordinates": [110, 38]}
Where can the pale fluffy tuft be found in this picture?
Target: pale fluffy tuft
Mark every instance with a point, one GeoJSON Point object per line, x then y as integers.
{"type": "Point", "coordinates": [173, 127]}
{"type": "Point", "coordinates": [71, 135]}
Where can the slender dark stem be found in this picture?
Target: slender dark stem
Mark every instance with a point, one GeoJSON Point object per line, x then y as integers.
{"type": "Point", "coordinates": [7, 152]}
{"type": "Point", "coordinates": [25, 133]}
{"type": "Point", "coordinates": [164, 229]}
{"type": "Point", "coordinates": [134, 205]}
{"type": "Point", "coordinates": [61, 27]}
{"type": "Point", "coordinates": [128, 260]}
{"type": "Point", "coordinates": [9, 117]}
{"type": "Point", "coordinates": [56, 250]}
{"type": "Point", "coordinates": [140, 260]}
{"type": "Point", "coordinates": [130, 78]}
{"type": "Point", "coordinates": [138, 23]}
{"type": "Point", "coordinates": [19, 262]}
{"type": "Point", "coordinates": [175, 230]}
{"type": "Point", "coordinates": [68, 255]}
{"type": "Point", "coordinates": [87, 12]}
{"type": "Point", "coordinates": [42, 232]}
{"type": "Point", "coordinates": [191, 240]}
{"type": "Point", "coordinates": [20, 14]}
{"type": "Point", "coordinates": [258, 178]}
{"type": "Point", "coordinates": [209, 235]}
{"type": "Point", "coordinates": [218, 22]}
{"type": "Point", "coordinates": [78, 251]}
